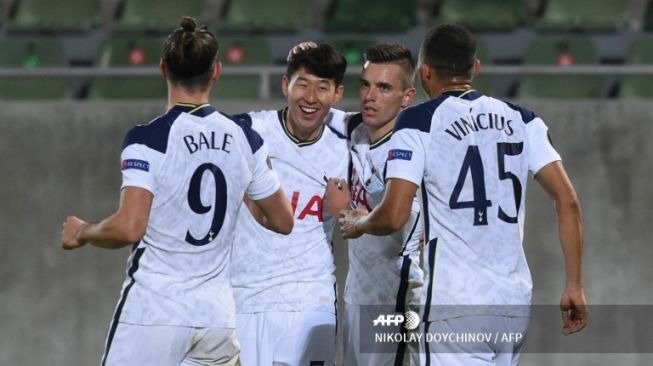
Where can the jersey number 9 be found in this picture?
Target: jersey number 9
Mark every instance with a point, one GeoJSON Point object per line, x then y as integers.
{"type": "Point", "coordinates": [195, 202]}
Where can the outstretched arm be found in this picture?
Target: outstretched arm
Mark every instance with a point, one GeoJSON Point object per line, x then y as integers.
{"type": "Point", "coordinates": [386, 218]}
{"type": "Point", "coordinates": [573, 305]}
{"type": "Point", "coordinates": [125, 227]}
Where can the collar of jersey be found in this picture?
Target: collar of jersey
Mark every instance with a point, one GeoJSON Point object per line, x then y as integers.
{"type": "Point", "coordinates": [382, 140]}
{"type": "Point", "coordinates": [200, 110]}
{"type": "Point", "coordinates": [293, 138]}
{"type": "Point", "coordinates": [468, 94]}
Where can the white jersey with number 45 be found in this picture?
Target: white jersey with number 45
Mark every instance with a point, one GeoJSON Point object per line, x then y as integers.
{"type": "Point", "coordinates": [471, 155]}
{"type": "Point", "coordinates": [198, 164]}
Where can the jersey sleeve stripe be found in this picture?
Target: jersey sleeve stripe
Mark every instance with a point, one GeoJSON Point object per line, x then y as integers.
{"type": "Point", "coordinates": [400, 306]}
{"type": "Point", "coordinates": [335, 132]}
{"type": "Point", "coordinates": [244, 121]}
{"type": "Point", "coordinates": [410, 236]}
{"type": "Point", "coordinates": [116, 317]}
{"type": "Point", "coordinates": [432, 246]}
{"type": "Point", "coordinates": [354, 122]}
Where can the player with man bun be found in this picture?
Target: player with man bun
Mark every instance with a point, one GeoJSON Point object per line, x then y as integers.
{"type": "Point", "coordinates": [184, 176]}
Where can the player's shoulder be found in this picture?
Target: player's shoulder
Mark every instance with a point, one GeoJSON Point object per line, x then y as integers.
{"type": "Point", "coordinates": [525, 114]}
{"type": "Point", "coordinates": [245, 123]}
{"type": "Point", "coordinates": [261, 117]}
{"type": "Point", "coordinates": [262, 121]}
{"type": "Point", "coordinates": [419, 116]}
{"type": "Point", "coordinates": [153, 134]}
{"type": "Point", "coordinates": [337, 121]}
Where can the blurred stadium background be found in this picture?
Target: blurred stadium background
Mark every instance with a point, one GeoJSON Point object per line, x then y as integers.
{"type": "Point", "coordinates": [75, 75]}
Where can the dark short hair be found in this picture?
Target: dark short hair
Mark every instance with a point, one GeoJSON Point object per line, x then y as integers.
{"type": "Point", "coordinates": [396, 54]}
{"type": "Point", "coordinates": [189, 54]}
{"type": "Point", "coordinates": [323, 61]}
{"type": "Point", "coordinates": [450, 49]}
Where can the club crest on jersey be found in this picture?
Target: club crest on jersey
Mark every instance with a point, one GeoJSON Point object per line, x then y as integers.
{"type": "Point", "coordinates": [400, 154]}
{"type": "Point", "coordinates": [136, 164]}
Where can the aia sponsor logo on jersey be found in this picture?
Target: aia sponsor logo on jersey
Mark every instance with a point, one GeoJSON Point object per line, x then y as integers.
{"type": "Point", "coordinates": [358, 192]}
{"type": "Point", "coordinates": [313, 207]}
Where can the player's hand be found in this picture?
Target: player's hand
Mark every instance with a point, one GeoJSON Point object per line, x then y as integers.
{"type": "Point", "coordinates": [70, 233]}
{"type": "Point", "coordinates": [348, 223]}
{"type": "Point", "coordinates": [303, 46]}
{"type": "Point", "coordinates": [336, 196]}
{"type": "Point", "coordinates": [574, 310]}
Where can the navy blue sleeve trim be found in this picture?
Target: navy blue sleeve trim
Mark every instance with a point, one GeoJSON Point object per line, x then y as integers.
{"type": "Point", "coordinates": [526, 115]}
{"type": "Point", "coordinates": [244, 121]}
{"type": "Point", "coordinates": [354, 121]}
{"type": "Point", "coordinates": [419, 117]}
{"type": "Point", "coordinates": [337, 133]}
{"type": "Point", "coordinates": [154, 134]}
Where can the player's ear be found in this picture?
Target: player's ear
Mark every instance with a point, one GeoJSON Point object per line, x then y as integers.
{"type": "Point", "coordinates": [284, 85]}
{"type": "Point", "coordinates": [162, 68]}
{"type": "Point", "coordinates": [409, 96]}
{"type": "Point", "coordinates": [217, 71]}
{"type": "Point", "coordinates": [340, 92]}
{"type": "Point", "coordinates": [476, 69]}
{"type": "Point", "coordinates": [425, 72]}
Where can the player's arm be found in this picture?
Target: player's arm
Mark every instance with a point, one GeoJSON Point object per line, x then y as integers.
{"type": "Point", "coordinates": [125, 227]}
{"type": "Point", "coordinates": [405, 168]}
{"type": "Point", "coordinates": [273, 212]}
{"type": "Point", "coordinates": [386, 218]}
{"type": "Point", "coordinates": [555, 181]}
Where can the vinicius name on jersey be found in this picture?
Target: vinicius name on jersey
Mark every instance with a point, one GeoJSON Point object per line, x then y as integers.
{"type": "Point", "coordinates": [478, 122]}
{"type": "Point", "coordinates": [208, 142]}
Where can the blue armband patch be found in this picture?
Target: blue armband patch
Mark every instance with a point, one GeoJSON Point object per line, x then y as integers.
{"type": "Point", "coordinates": [136, 164]}
{"type": "Point", "coordinates": [400, 154]}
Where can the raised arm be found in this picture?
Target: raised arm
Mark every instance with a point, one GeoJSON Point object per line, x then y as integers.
{"type": "Point", "coordinates": [573, 305]}
{"type": "Point", "coordinates": [125, 227]}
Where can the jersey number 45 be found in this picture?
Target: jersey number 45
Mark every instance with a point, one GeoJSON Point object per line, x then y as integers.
{"type": "Point", "coordinates": [474, 164]}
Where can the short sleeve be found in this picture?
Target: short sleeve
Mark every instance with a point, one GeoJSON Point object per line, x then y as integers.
{"type": "Point", "coordinates": [138, 164]}
{"type": "Point", "coordinates": [406, 156]}
{"type": "Point", "coordinates": [540, 150]}
{"type": "Point", "coordinates": [264, 180]}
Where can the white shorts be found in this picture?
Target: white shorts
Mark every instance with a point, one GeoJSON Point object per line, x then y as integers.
{"type": "Point", "coordinates": [359, 348]}
{"type": "Point", "coordinates": [155, 345]}
{"type": "Point", "coordinates": [306, 338]}
{"type": "Point", "coordinates": [467, 343]}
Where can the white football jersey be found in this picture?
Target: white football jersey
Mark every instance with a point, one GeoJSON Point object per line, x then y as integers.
{"type": "Point", "coordinates": [198, 164]}
{"type": "Point", "coordinates": [471, 155]}
{"type": "Point", "coordinates": [383, 270]}
{"type": "Point", "coordinates": [274, 272]}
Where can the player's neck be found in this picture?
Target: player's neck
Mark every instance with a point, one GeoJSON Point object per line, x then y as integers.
{"type": "Point", "coordinates": [464, 86]}
{"type": "Point", "coordinates": [377, 134]}
{"type": "Point", "coordinates": [180, 95]}
{"type": "Point", "coordinates": [455, 83]}
{"type": "Point", "coordinates": [296, 131]}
